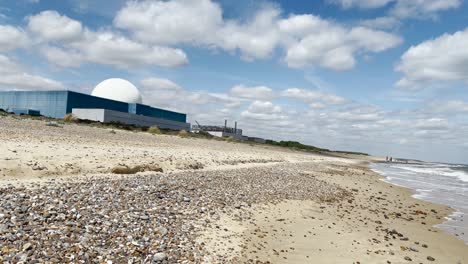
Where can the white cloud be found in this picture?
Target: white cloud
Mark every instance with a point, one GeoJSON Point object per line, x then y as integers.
{"type": "Point", "coordinates": [442, 59]}
{"type": "Point", "coordinates": [256, 92]}
{"type": "Point", "coordinates": [263, 110]}
{"type": "Point", "coordinates": [431, 124]}
{"type": "Point", "coordinates": [306, 39]}
{"type": "Point", "coordinates": [171, 22]}
{"type": "Point", "coordinates": [316, 99]}
{"type": "Point", "coordinates": [450, 107]}
{"type": "Point", "coordinates": [159, 84]}
{"type": "Point", "coordinates": [256, 38]}
{"type": "Point", "coordinates": [347, 125]}
{"type": "Point", "coordinates": [423, 8]}
{"type": "Point", "coordinates": [359, 114]}
{"type": "Point", "coordinates": [166, 93]}
{"type": "Point", "coordinates": [51, 26]}
{"type": "Point", "coordinates": [404, 8]}
{"type": "Point", "coordinates": [330, 45]}
{"type": "Point", "coordinates": [264, 107]}
{"type": "Point", "coordinates": [109, 48]}
{"type": "Point", "coordinates": [361, 3]}
{"type": "Point", "coordinates": [12, 38]}
{"type": "Point", "coordinates": [74, 45]}
{"type": "Point", "coordinates": [61, 57]}
{"type": "Point", "coordinates": [385, 22]}
{"type": "Point", "coordinates": [14, 77]}
{"type": "Point", "coordinates": [7, 65]}
{"type": "Point", "coordinates": [373, 40]}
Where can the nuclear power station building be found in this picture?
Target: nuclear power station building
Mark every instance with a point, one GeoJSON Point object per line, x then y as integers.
{"type": "Point", "coordinates": [113, 100]}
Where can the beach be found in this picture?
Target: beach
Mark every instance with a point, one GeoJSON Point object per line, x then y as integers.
{"type": "Point", "coordinates": [64, 199]}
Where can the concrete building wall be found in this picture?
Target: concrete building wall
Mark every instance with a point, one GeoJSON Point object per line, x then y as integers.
{"type": "Point", "coordinates": [225, 134]}
{"type": "Point", "coordinates": [89, 114]}
{"type": "Point", "coordinates": [108, 116]}
{"type": "Point", "coordinates": [233, 135]}
{"type": "Point", "coordinates": [215, 133]}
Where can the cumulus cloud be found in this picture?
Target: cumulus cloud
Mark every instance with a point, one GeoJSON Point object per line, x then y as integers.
{"type": "Point", "coordinates": [12, 38]}
{"type": "Point", "coordinates": [315, 99]}
{"type": "Point", "coordinates": [171, 22]}
{"type": "Point", "coordinates": [451, 107]}
{"type": "Point", "coordinates": [67, 43]}
{"type": "Point", "coordinates": [159, 84]}
{"type": "Point", "coordinates": [263, 110]}
{"type": "Point", "coordinates": [423, 8]}
{"type": "Point", "coordinates": [113, 49]}
{"type": "Point", "coordinates": [369, 128]}
{"type": "Point", "coordinates": [306, 39]}
{"type": "Point", "coordinates": [51, 26]}
{"type": "Point", "coordinates": [431, 124]}
{"type": "Point", "coordinates": [257, 38]}
{"type": "Point", "coordinates": [255, 92]}
{"type": "Point", "coordinates": [358, 114]}
{"type": "Point", "coordinates": [442, 59]}
{"type": "Point", "coordinates": [264, 107]}
{"type": "Point", "coordinates": [404, 8]}
{"type": "Point", "coordinates": [385, 22]}
{"type": "Point", "coordinates": [158, 26]}
{"type": "Point", "coordinates": [361, 3]}
{"type": "Point", "coordinates": [14, 77]}
{"type": "Point", "coordinates": [330, 45]}
{"type": "Point", "coordinates": [166, 93]}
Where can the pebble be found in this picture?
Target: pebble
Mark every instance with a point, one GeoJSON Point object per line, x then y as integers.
{"type": "Point", "coordinates": [158, 257]}
{"type": "Point", "coordinates": [27, 246]}
{"type": "Point", "coordinates": [117, 219]}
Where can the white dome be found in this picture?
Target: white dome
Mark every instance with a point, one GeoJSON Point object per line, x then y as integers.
{"type": "Point", "coordinates": [118, 90]}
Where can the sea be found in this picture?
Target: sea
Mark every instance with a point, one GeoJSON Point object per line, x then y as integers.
{"type": "Point", "coordinates": [440, 183]}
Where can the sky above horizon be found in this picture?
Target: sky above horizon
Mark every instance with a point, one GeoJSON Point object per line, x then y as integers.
{"type": "Point", "coordinates": [385, 77]}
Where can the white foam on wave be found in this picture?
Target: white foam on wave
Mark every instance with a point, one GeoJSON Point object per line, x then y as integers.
{"type": "Point", "coordinates": [439, 170]}
{"type": "Point", "coordinates": [438, 184]}
{"type": "Point", "coordinates": [387, 180]}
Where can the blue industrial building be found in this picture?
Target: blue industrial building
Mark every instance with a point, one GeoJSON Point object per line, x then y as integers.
{"type": "Point", "coordinates": [57, 104]}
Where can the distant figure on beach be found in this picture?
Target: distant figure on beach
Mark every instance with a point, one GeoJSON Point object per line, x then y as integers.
{"type": "Point", "coordinates": [391, 159]}
{"type": "Point", "coordinates": [386, 158]}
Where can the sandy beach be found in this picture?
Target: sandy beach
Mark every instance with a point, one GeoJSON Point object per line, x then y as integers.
{"type": "Point", "coordinates": [194, 200]}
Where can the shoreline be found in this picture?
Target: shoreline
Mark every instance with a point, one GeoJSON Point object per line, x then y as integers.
{"type": "Point", "coordinates": [418, 194]}
{"type": "Point", "coordinates": [208, 205]}
{"type": "Point", "coordinates": [287, 232]}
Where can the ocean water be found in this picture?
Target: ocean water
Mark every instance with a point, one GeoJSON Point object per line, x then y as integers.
{"type": "Point", "coordinates": [445, 184]}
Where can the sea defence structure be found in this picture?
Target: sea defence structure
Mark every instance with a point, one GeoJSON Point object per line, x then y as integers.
{"type": "Point", "coordinates": [57, 104]}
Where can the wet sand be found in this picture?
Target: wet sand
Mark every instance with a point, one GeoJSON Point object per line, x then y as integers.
{"type": "Point", "coordinates": [377, 223]}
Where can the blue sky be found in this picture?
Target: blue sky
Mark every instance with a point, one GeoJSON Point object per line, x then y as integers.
{"type": "Point", "coordinates": [387, 77]}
